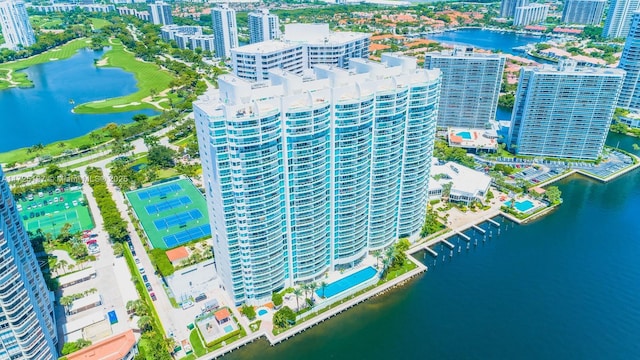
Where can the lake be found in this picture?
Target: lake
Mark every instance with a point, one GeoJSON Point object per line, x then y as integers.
{"type": "Point", "coordinates": [42, 114]}
{"type": "Point", "coordinates": [487, 39]}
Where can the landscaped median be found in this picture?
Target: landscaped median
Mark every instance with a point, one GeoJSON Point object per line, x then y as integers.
{"type": "Point", "coordinates": [151, 80]}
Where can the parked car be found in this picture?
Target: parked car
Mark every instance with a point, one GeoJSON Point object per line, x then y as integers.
{"type": "Point", "coordinates": [148, 285]}
{"type": "Point", "coordinates": [153, 296]}
{"type": "Point", "coordinates": [145, 278]}
{"type": "Point", "coordinates": [137, 260]}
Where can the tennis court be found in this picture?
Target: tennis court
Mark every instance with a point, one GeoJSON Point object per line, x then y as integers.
{"type": "Point", "coordinates": [50, 213]}
{"type": "Point", "coordinates": [187, 235]}
{"type": "Point", "coordinates": [167, 205]}
{"type": "Point", "coordinates": [160, 191]}
{"type": "Point", "coordinates": [172, 213]}
{"type": "Point", "coordinates": [178, 219]}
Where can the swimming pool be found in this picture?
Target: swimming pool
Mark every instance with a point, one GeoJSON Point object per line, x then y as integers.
{"type": "Point", "coordinates": [347, 282]}
{"type": "Point", "coordinates": [228, 329]}
{"type": "Point", "coordinates": [522, 206]}
{"type": "Point", "coordinates": [465, 135]}
{"type": "Point", "coordinates": [262, 312]}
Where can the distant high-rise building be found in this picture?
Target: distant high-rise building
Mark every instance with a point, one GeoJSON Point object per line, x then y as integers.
{"type": "Point", "coordinates": [317, 45]}
{"type": "Point", "coordinates": [16, 29]}
{"type": "Point", "coordinates": [530, 14]}
{"type": "Point", "coordinates": [27, 323]}
{"type": "Point", "coordinates": [508, 7]}
{"type": "Point", "coordinates": [161, 13]}
{"type": "Point", "coordinates": [225, 30]}
{"type": "Point", "coordinates": [309, 173]}
{"type": "Point", "coordinates": [564, 111]}
{"type": "Point", "coordinates": [630, 62]}
{"type": "Point", "coordinates": [586, 12]}
{"type": "Point", "coordinates": [470, 86]}
{"type": "Point", "coordinates": [619, 18]}
{"type": "Point", "coordinates": [263, 26]}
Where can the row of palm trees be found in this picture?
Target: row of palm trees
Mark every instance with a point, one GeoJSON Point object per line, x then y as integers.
{"type": "Point", "coordinates": [387, 256]}
{"type": "Point", "coordinates": [307, 290]}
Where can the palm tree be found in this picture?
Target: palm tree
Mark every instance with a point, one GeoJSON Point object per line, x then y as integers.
{"type": "Point", "coordinates": [323, 285]}
{"type": "Point", "coordinates": [297, 292]}
{"type": "Point", "coordinates": [377, 254]}
{"type": "Point", "coordinates": [63, 265]}
{"type": "Point", "coordinates": [312, 287]}
{"type": "Point", "coordinates": [144, 323]}
{"type": "Point", "coordinates": [305, 288]}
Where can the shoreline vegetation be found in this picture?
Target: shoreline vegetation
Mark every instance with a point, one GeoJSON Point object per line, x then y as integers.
{"type": "Point", "coordinates": [150, 79]}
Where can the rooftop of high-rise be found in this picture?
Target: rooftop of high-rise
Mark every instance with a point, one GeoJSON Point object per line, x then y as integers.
{"type": "Point", "coordinates": [363, 78]}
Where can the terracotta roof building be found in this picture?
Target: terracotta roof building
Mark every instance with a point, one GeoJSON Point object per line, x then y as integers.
{"type": "Point", "coordinates": [119, 347]}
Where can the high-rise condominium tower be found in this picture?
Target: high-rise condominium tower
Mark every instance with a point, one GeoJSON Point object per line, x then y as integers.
{"type": "Point", "coordinates": [586, 12]}
{"type": "Point", "coordinates": [564, 111]}
{"type": "Point", "coordinates": [161, 13]}
{"type": "Point", "coordinates": [630, 62]}
{"type": "Point", "coordinates": [263, 26]}
{"type": "Point", "coordinates": [508, 7]}
{"type": "Point", "coordinates": [225, 30]}
{"type": "Point", "coordinates": [27, 327]}
{"type": "Point", "coordinates": [470, 86]}
{"type": "Point", "coordinates": [619, 18]}
{"type": "Point", "coordinates": [305, 174]}
{"type": "Point", "coordinates": [14, 21]}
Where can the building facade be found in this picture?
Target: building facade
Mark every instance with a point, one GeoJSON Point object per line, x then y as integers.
{"type": "Point", "coordinates": [263, 26]}
{"type": "Point", "coordinates": [618, 19]}
{"type": "Point", "coordinates": [306, 174]}
{"type": "Point", "coordinates": [161, 13]}
{"type": "Point", "coordinates": [253, 62]}
{"type": "Point", "coordinates": [187, 37]}
{"type": "Point", "coordinates": [14, 21]}
{"type": "Point", "coordinates": [564, 111]}
{"type": "Point", "coordinates": [225, 30]}
{"type": "Point", "coordinates": [630, 62]}
{"type": "Point", "coordinates": [333, 48]}
{"type": "Point", "coordinates": [530, 14]}
{"type": "Point", "coordinates": [585, 12]}
{"type": "Point", "coordinates": [470, 86]}
{"type": "Point", "coordinates": [142, 15]}
{"type": "Point", "coordinates": [27, 323]}
{"type": "Point", "coordinates": [508, 7]}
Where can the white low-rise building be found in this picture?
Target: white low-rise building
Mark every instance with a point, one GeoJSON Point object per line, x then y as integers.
{"type": "Point", "coordinates": [467, 185]}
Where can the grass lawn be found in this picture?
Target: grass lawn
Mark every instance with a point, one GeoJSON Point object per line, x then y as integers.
{"type": "Point", "coordinates": [148, 76]}
{"type": "Point", "coordinates": [99, 23]}
{"type": "Point", "coordinates": [56, 148]}
{"type": "Point", "coordinates": [196, 343]}
{"type": "Point", "coordinates": [62, 52]}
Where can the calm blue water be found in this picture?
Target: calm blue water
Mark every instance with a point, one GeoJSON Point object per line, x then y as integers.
{"type": "Point", "coordinates": [564, 287]}
{"type": "Point", "coordinates": [42, 114]}
{"type": "Point", "coordinates": [348, 282]}
{"type": "Point", "coordinates": [486, 39]}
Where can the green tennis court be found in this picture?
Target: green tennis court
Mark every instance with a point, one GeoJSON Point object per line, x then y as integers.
{"type": "Point", "coordinates": [172, 213]}
{"type": "Point", "coordinates": [50, 213]}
